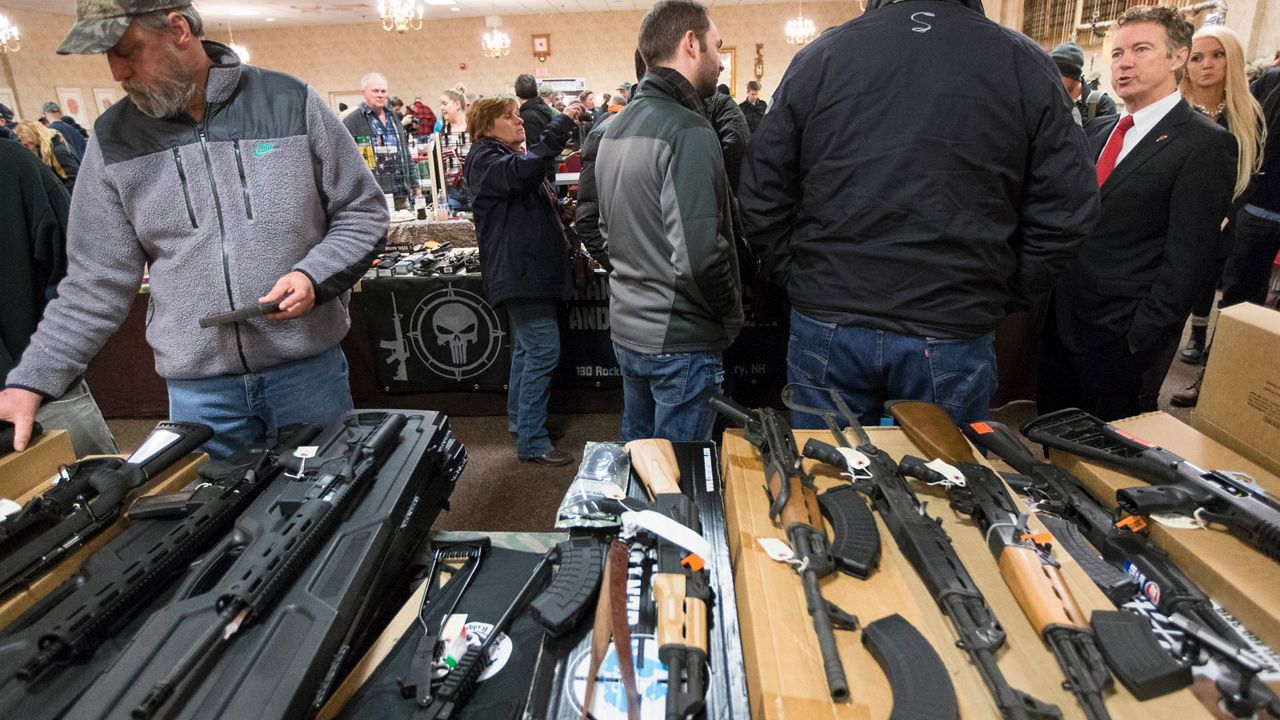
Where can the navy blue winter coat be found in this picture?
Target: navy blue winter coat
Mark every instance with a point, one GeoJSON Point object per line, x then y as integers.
{"type": "Point", "coordinates": [523, 251]}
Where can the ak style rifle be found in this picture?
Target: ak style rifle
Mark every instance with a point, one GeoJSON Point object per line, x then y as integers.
{"type": "Point", "coordinates": [1176, 486]}
{"type": "Point", "coordinates": [794, 506]}
{"type": "Point", "coordinates": [85, 498]}
{"type": "Point", "coordinates": [1024, 564]}
{"type": "Point", "coordinates": [680, 587]}
{"type": "Point", "coordinates": [929, 550]}
{"type": "Point", "coordinates": [1131, 564]}
{"type": "Point", "coordinates": [76, 618]}
{"type": "Point", "coordinates": [269, 564]}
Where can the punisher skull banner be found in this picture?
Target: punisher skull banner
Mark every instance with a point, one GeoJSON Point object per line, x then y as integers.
{"type": "Point", "coordinates": [435, 334]}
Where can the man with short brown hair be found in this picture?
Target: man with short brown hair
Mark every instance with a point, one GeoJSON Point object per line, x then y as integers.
{"type": "Point", "coordinates": [676, 298]}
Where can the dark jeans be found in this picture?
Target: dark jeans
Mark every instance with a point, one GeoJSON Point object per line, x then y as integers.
{"type": "Point", "coordinates": [665, 395]}
{"type": "Point", "coordinates": [870, 367]}
{"type": "Point", "coordinates": [535, 351]}
{"type": "Point", "coordinates": [245, 409]}
{"type": "Point", "coordinates": [1248, 270]}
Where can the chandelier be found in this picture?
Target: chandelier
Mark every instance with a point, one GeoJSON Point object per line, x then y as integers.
{"type": "Point", "coordinates": [9, 40]}
{"type": "Point", "coordinates": [800, 29]}
{"type": "Point", "coordinates": [400, 15]}
{"type": "Point", "coordinates": [495, 43]}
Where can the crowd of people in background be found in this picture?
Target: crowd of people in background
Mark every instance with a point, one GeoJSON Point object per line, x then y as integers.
{"type": "Point", "coordinates": [899, 235]}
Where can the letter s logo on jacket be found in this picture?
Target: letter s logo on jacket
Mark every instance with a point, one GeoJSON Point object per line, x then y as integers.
{"type": "Point", "coordinates": [927, 27]}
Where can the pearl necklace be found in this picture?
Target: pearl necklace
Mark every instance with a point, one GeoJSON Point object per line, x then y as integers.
{"type": "Point", "coordinates": [1213, 115]}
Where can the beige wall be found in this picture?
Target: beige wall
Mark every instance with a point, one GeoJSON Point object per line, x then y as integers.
{"type": "Point", "coordinates": [597, 46]}
{"type": "Point", "coordinates": [34, 72]}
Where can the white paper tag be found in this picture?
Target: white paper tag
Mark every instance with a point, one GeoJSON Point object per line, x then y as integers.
{"type": "Point", "coordinates": [1177, 522]}
{"type": "Point", "coordinates": [953, 475]}
{"type": "Point", "coordinates": [8, 507]}
{"type": "Point", "coordinates": [854, 459]}
{"type": "Point", "coordinates": [776, 549]}
{"type": "Point", "coordinates": [306, 451]}
{"type": "Point", "coordinates": [669, 530]}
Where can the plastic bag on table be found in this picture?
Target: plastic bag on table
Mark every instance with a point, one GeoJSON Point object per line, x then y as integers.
{"type": "Point", "coordinates": [594, 498]}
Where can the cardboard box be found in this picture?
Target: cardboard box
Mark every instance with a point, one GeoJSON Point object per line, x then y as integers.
{"type": "Point", "coordinates": [19, 472]}
{"type": "Point", "coordinates": [27, 474]}
{"type": "Point", "coordinates": [1240, 399]}
{"type": "Point", "coordinates": [784, 673]}
{"type": "Point", "coordinates": [1232, 572]}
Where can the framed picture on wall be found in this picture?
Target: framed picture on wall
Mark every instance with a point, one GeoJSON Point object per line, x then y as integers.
{"type": "Point", "coordinates": [71, 100]}
{"type": "Point", "coordinates": [105, 98]}
{"type": "Point", "coordinates": [8, 100]}
{"type": "Point", "coordinates": [729, 75]}
{"type": "Point", "coordinates": [350, 98]}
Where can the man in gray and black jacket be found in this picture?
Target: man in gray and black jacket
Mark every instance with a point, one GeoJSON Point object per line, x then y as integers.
{"type": "Point", "coordinates": [237, 186]}
{"type": "Point", "coordinates": [676, 297]}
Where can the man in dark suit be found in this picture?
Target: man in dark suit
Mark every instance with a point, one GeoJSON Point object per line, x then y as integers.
{"type": "Point", "coordinates": [1165, 174]}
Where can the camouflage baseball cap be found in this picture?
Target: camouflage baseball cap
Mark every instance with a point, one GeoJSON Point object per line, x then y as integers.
{"type": "Point", "coordinates": [101, 23]}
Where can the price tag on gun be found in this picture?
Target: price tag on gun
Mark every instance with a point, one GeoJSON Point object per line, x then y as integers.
{"type": "Point", "coordinates": [246, 313]}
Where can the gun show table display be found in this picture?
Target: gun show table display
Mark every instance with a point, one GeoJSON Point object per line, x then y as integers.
{"type": "Point", "coordinates": [407, 232]}
{"type": "Point", "coordinates": [963, 604]}
{"type": "Point", "coordinates": [238, 588]}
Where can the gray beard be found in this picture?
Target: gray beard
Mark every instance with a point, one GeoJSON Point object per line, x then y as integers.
{"type": "Point", "coordinates": [170, 95]}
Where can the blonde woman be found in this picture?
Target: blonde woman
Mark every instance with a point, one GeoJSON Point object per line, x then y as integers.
{"type": "Point", "coordinates": [455, 143]}
{"type": "Point", "coordinates": [52, 150]}
{"type": "Point", "coordinates": [1215, 85]}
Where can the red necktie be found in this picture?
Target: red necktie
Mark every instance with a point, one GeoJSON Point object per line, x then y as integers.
{"type": "Point", "coordinates": [1107, 162]}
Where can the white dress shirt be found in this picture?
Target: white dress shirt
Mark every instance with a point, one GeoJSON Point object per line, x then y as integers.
{"type": "Point", "coordinates": [1144, 120]}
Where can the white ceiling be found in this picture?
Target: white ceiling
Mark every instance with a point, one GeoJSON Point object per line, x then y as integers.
{"type": "Point", "coordinates": [271, 13]}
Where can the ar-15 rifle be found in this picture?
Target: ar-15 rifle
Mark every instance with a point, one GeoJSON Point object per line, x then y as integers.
{"type": "Point", "coordinates": [1177, 486]}
{"type": "Point", "coordinates": [680, 585]}
{"type": "Point", "coordinates": [793, 501]}
{"type": "Point", "coordinates": [1034, 579]}
{"type": "Point", "coordinates": [269, 564]}
{"type": "Point", "coordinates": [73, 620]}
{"type": "Point", "coordinates": [85, 498]}
{"type": "Point", "coordinates": [929, 550]}
{"type": "Point", "coordinates": [399, 347]}
{"type": "Point", "coordinates": [1130, 564]}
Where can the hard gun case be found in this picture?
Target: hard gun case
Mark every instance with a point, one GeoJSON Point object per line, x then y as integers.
{"type": "Point", "coordinates": [282, 665]}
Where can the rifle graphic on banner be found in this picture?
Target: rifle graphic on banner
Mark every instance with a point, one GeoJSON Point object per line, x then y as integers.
{"type": "Point", "coordinates": [399, 347]}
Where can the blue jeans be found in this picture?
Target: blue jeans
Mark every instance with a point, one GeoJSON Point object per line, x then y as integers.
{"type": "Point", "coordinates": [246, 409]}
{"type": "Point", "coordinates": [870, 367]}
{"type": "Point", "coordinates": [535, 350]}
{"type": "Point", "coordinates": [665, 395]}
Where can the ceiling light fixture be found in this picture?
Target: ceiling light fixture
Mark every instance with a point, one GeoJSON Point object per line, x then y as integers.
{"type": "Point", "coordinates": [495, 43]}
{"type": "Point", "coordinates": [400, 15]}
{"type": "Point", "coordinates": [9, 39]}
{"type": "Point", "coordinates": [800, 29]}
{"type": "Point", "coordinates": [243, 13]}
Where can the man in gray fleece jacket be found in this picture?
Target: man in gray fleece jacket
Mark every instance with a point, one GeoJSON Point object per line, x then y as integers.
{"type": "Point", "coordinates": [237, 186]}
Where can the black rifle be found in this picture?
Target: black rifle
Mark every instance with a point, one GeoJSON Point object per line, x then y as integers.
{"type": "Point", "coordinates": [1130, 564]}
{"type": "Point", "coordinates": [791, 491]}
{"type": "Point", "coordinates": [460, 683]}
{"type": "Point", "coordinates": [86, 498]}
{"type": "Point", "coordinates": [1024, 564]}
{"type": "Point", "coordinates": [71, 622]}
{"type": "Point", "coordinates": [1177, 486]}
{"type": "Point", "coordinates": [269, 564]}
{"type": "Point", "coordinates": [856, 545]}
{"type": "Point", "coordinates": [929, 550]}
